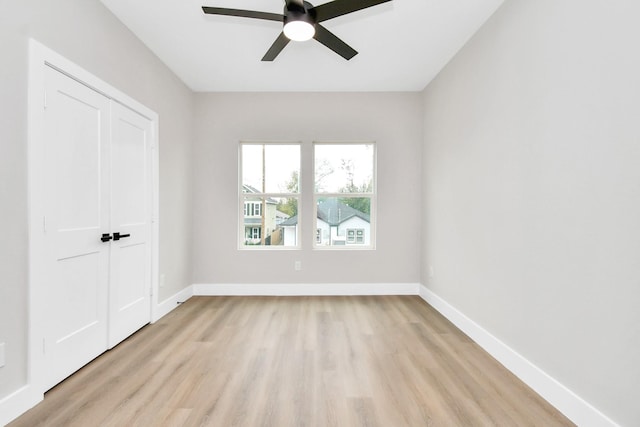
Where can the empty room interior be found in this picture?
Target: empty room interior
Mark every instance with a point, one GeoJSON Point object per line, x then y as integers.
{"type": "Point", "coordinates": [426, 214]}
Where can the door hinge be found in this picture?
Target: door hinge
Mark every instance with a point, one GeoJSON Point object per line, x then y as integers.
{"type": "Point", "coordinates": [45, 100]}
{"type": "Point", "coordinates": [151, 291]}
{"type": "Point", "coordinates": [44, 224]}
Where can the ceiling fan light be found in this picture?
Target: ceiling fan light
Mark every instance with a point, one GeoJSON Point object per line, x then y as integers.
{"type": "Point", "coordinates": [299, 31]}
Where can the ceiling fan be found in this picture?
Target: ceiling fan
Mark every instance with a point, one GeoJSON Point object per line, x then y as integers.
{"type": "Point", "coordinates": [302, 22]}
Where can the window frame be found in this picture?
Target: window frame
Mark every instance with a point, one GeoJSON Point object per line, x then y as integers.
{"type": "Point", "coordinates": [242, 202]}
{"type": "Point", "coordinates": [372, 196]}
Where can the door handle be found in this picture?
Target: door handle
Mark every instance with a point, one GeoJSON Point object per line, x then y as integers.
{"type": "Point", "coordinates": [118, 236]}
{"type": "Point", "coordinates": [105, 237]}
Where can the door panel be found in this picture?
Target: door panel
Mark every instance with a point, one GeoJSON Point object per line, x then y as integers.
{"type": "Point", "coordinates": [80, 276]}
{"type": "Point", "coordinates": [130, 285]}
{"type": "Point", "coordinates": [77, 155]}
{"type": "Point", "coordinates": [131, 276]}
{"type": "Point", "coordinates": [76, 214]}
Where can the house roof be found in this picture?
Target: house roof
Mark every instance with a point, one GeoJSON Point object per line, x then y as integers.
{"type": "Point", "coordinates": [252, 221]}
{"type": "Point", "coordinates": [247, 189]}
{"type": "Point", "coordinates": [333, 212]}
{"type": "Point", "coordinates": [293, 220]}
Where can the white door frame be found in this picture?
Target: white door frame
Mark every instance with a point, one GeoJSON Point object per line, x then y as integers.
{"type": "Point", "coordinates": [39, 58]}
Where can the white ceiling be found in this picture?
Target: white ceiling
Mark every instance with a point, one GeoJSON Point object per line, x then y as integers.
{"type": "Point", "coordinates": [402, 44]}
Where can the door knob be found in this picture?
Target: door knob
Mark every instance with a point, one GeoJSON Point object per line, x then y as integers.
{"type": "Point", "coordinates": [118, 236]}
{"type": "Point", "coordinates": [105, 237]}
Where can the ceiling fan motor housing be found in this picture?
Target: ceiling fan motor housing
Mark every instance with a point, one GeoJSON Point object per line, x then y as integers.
{"type": "Point", "coordinates": [294, 11]}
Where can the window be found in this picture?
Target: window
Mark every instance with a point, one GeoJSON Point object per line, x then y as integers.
{"type": "Point", "coordinates": [344, 194]}
{"type": "Point", "coordinates": [355, 236]}
{"type": "Point", "coordinates": [269, 195]}
{"type": "Point", "coordinates": [252, 209]}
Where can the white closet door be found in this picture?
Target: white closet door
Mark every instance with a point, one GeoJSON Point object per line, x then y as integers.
{"type": "Point", "coordinates": [76, 215]}
{"type": "Point", "coordinates": [130, 277]}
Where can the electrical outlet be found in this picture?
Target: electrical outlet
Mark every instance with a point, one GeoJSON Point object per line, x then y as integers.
{"type": "Point", "coordinates": [162, 277]}
{"type": "Point", "coordinates": [1, 355]}
{"type": "Point", "coordinates": [297, 266]}
{"type": "Point", "coordinates": [431, 273]}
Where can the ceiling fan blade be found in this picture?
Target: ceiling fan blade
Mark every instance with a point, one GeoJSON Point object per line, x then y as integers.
{"type": "Point", "coordinates": [337, 8]}
{"type": "Point", "coordinates": [243, 13]}
{"type": "Point", "coordinates": [330, 40]}
{"type": "Point", "coordinates": [276, 48]}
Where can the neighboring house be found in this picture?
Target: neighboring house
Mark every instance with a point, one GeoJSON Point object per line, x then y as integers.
{"type": "Point", "coordinates": [253, 219]}
{"type": "Point", "coordinates": [337, 225]}
{"type": "Point", "coordinates": [281, 217]}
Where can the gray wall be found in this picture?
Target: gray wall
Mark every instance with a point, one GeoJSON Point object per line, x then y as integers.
{"type": "Point", "coordinates": [86, 33]}
{"type": "Point", "coordinates": [393, 120]}
{"type": "Point", "coordinates": [532, 191]}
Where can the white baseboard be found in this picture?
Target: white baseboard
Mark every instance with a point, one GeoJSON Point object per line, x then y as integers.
{"type": "Point", "coordinates": [306, 289]}
{"type": "Point", "coordinates": [165, 307]}
{"type": "Point", "coordinates": [17, 403]}
{"type": "Point", "coordinates": [571, 405]}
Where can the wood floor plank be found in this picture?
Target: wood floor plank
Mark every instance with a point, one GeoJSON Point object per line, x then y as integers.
{"type": "Point", "coordinates": [295, 361]}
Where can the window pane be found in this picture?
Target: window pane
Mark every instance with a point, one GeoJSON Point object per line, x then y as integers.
{"type": "Point", "coordinates": [271, 168]}
{"type": "Point", "coordinates": [343, 221]}
{"type": "Point", "coordinates": [252, 168]}
{"type": "Point", "coordinates": [277, 216]}
{"type": "Point", "coordinates": [344, 168]}
{"type": "Point", "coordinates": [282, 168]}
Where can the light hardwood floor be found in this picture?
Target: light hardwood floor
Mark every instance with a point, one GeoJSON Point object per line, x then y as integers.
{"type": "Point", "coordinates": [295, 361]}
